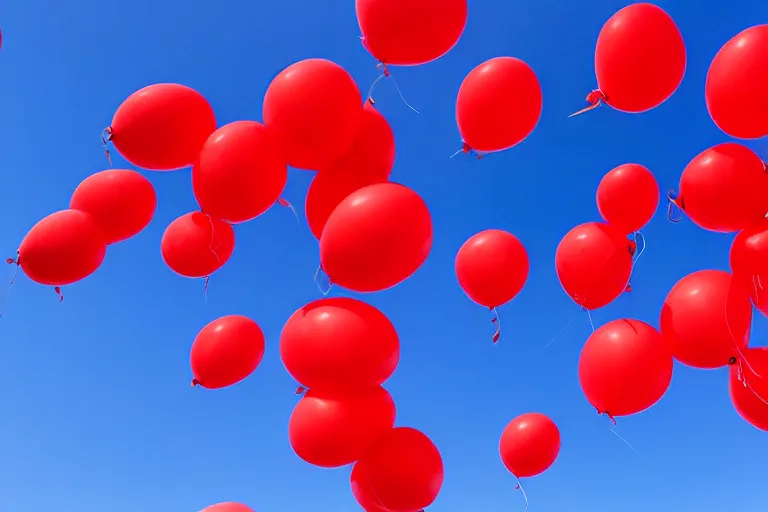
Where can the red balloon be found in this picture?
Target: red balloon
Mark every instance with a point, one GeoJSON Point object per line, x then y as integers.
{"type": "Point", "coordinates": [492, 267]}
{"type": "Point", "coordinates": [314, 109]}
{"type": "Point", "coordinates": [240, 173]}
{"type": "Point", "coordinates": [197, 245]}
{"type": "Point", "coordinates": [410, 32]}
{"type": "Point", "coordinates": [736, 83]}
{"type": "Point", "coordinates": [640, 58]}
{"type": "Point", "coordinates": [625, 367]}
{"type": "Point", "coordinates": [627, 197]}
{"type": "Point", "coordinates": [749, 260]}
{"type": "Point", "coordinates": [706, 318]}
{"type": "Point", "coordinates": [328, 189]}
{"type": "Point", "coordinates": [498, 105]}
{"type": "Point", "coordinates": [162, 127]}
{"type": "Point", "coordinates": [724, 188]}
{"type": "Point", "coordinates": [62, 248]}
{"type": "Point", "coordinates": [330, 430]}
{"type": "Point", "coordinates": [376, 238]}
{"type": "Point", "coordinates": [594, 263]}
{"type": "Point", "coordinates": [226, 351]}
{"type": "Point", "coordinates": [339, 344]}
{"type": "Point", "coordinates": [402, 472]}
{"type": "Point", "coordinates": [748, 385]}
{"type": "Point", "coordinates": [529, 444]}
{"type": "Point", "coordinates": [228, 507]}
{"type": "Point", "coordinates": [122, 202]}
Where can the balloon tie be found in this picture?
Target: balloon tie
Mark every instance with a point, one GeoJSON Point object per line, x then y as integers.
{"type": "Point", "coordinates": [379, 503]}
{"type": "Point", "coordinates": [57, 289]}
{"type": "Point", "coordinates": [195, 383]}
{"type": "Point", "coordinates": [10, 261]}
{"type": "Point", "coordinates": [300, 390]}
{"type": "Point", "coordinates": [675, 208]}
{"type": "Point", "coordinates": [386, 74]}
{"type": "Point", "coordinates": [496, 320]}
{"type": "Point", "coordinates": [595, 99]}
{"type": "Point", "coordinates": [519, 487]}
{"type": "Point", "coordinates": [634, 239]}
{"type": "Point", "coordinates": [467, 150]}
{"type": "Point", "coordinates": [106, 137]}
{"type": "Point", "coordinates": [286, 204]}
{"type": "Point", "coordinates": [325, 289]}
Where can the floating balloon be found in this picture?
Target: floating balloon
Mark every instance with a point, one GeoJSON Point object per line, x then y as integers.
{"type": "Point", "coordinates": [625, 367]}
{"type": "Point", "coordinates": [226, 351]}
{"type": "Point", "coordinates": [314, 109]}
{"type": "Point", "coordinates": [529, 445]}
{"type": "Point", "coordinates": [594, 263]}
{"type": "Point", "coordinates": [162, 127]}
{"type": "Point", "coordinates": [240, 172]}
{"type": "Point", "coordinates": [228, 507]}
{"type": "Point", "coordinates": [498, 105]}
{"type": "Point", "coordinates": [376, 238]}
{"type": "Point", "coordinates": [492, 267]}
{"type": "Point", "coordinates": [328, 189]}
{"type": "Point", "coordinates": [640, 59]}
{"type": "Point", "coordinates": [62, 248]}
{"type": "Point", "coordinates": [122, 202]}
{"type": "Point", "coordinates": [748, 385]}
{"type": "Point", "coordinates": [749, 260]}
{"type": "Point", "coordinates": [197, 245]}
{"type": "Point", "coordinates": [339, 343]}
{"type": "Point", "coordinates": [403, 471]}
{"type": "Point", "coordinates": [724, 188]}
{"type": "Point", "coordinates": [332, 430]}
{"type": "Point", "coordinates": [627, 197]}
{"type": "Point", "coordinates": [706, 318]}
{"type": "Point", "coordinates": [737, 82]}
{"type": "Point", "coordinates": [409, 33]}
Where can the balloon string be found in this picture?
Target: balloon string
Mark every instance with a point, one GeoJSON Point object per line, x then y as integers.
{"type": "Point", "coordinates": [757, 285]}
{"type": "Point", "coordinates": [637, 251]}
{"type": "Point", "coordinates": [205, 288]}
{"type": "Point", "coordinates": [675, 208]}
{"type": "Point", "coordinates": [106, 136]}
{"type": "Point", "coordinates": [741, 378]}
{"type": "Point", "coordinates": [736, 345]}
{"type": "Point", "coordinates": [324, 289]}
{"type": "Point", "coordinates": [589, 316]}
{"type": "Point", "coordinates": [595, 99]}
{"type": "Point", "coordinates": [286, 204]}
{"type": "Point", "coordinates": [561, 331]}
{"type": "Point", "coordinates": [10, 261]}
{"type": "Point", "coordinates": [612, 428]}
{"type": "Point", "coordinates": [496, 320]}
{"type": "Point", "coordinates": [386, 74]}
{"type": "Point", "coordinates": [467, 151]}
{"type": "Point", "coordinates": [519, 487]}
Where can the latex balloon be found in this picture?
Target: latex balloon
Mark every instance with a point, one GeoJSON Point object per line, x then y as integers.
{"type": "Point", "coordinates": [330, 430]}
{"type": "Point", "coordinates": [409, 33]}
{"type": "Point", "coordinates": [749, 260]}
{"type": "Point", "coordinates": [228, 507]}
{"type": "Point", "coordinates": [736, 83]}
{"type": "Point", "coordinates": [492, 267]}
{"type": "Point", "coordinates": [122, 202]}
{"type": "Point", "coordinates": [373, 153]}
{"type": "Point", "coordinates": [625, 367]}
{"type": "Point", "coordinates": [240, 172]}
{"type": "Point", "coordinates": [593, 263]}
{"type": "Point", "coordinates": [498, 105]}
{"type": "Point", "coordinates": [627, 197]}
{"type": "Point", "coordinates": [339, 344]}
{"type": "Point", "coordinates": [706, 318]}
{"type": "Point", "coordinates": [724, 188]}
{"type": "Point", "coordinates": [197, 245]}
{"type": "Point", "coordinates": [226, 351]}
{"type": "Point", "coordinates": [748, 385]}
{"type": "Point", "coordinates": [162, 127]}
{"type": "Point", "coordinates": [640, 58]}
{"type": "Point", "coordinates": [328, 189]}
{"type": "Point", "coordinates": [314, 109]}
{"type": "Point", "coordinates": [62, 248]}
{"type": "Point", "coordinates": [529, 444]}
{"type": "Point", "coordinates": [402, 472]}
{"type": "Point", "coordinates": [376, 238]}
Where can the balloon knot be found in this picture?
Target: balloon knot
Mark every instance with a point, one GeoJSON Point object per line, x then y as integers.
{"type": "Point", "coordinates": [11, 261]}
{"type": "Point", "coordinates": [300, 390]}
{"type": "Point", "coordinates": [595, 99]}
{"type": "Point", "coordinates": [195, 382]}
{"type": "Point", "coordinates": [731, 361]}
{"type": "Point", "coordinates": [371, 101]}
{"type": "Point", "coordinates": [57, 289]}
{"type": "Point", "coordinates": [628, 288]}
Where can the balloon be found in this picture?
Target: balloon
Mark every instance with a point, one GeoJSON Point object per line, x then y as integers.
{"type": "Point", "coordinates": [122, 202]}
{"type": "Point", "coordinates": [240, 173]}
{"type": "Point", "coordinates": [706, 318]}
{"type": "Point", "coordinates": [410, 32]}
{"type": "Point", "coordinates": [593, 263]}
{"type": "Point", "coordinates": [749, 393]}
{"type": "Point", "coordinates": [196, 245]}
{"type": "Point", "coordinates": [625, 367]}
{"type": "Point", "coordinates": [373, 153]}
{"type": "Point", "coordinates": [330, 430]}
{"type": "Point", "coordinates": [314, 109]}
{"type": "Point", "coordinates": [339, 343]}
{"type": "Point", "coordinates": [228, 507]}
{"type": "Point", "coordinates": [376, 238]}
{"type": "Point", "coordinates": [62, 248]}
{"type": "Point", "coordinates": [226, 351]}
{"type": "Point", "coordinates": [498, 105]}
{"type": "Point", "coordinates": [492, 267]}
{"type": "Point", "coordinates": [162, 127]}
{"type": "Point", "coordinates": [724, 188]}
{"type": "Point", "coordinates": [627, 197]}
{"type": "Point", "coordinates": [640, 59]}
{"type": "Point", "coordinates": [749, 260]}
{"type": "Point", "coordinates": [736, 83]}
{"type": "Point", "coordinates": [529, 444]}
{"type": "Point", "coordinates": [402, 472]}
{"type": "Point", "coordinates": [328, 189]}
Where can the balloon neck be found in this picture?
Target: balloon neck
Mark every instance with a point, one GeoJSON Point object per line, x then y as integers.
{"type": "Point", "coordinates": [301, 390]}
{"type": "Point", "coordinates": [195, 383]}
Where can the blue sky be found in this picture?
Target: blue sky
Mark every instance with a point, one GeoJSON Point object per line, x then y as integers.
{"type": "Point", "coordinates": [97, 412]}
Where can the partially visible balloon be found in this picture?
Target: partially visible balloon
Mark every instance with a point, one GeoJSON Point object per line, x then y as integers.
{"type": "Point", "coordinates": [748, 385]}
{"type": "Point", "coordinates": [627, 197]}
{"type": "Point", "coordinates": [529, 445]}
{"type": "Point", "coordinates": [197, 245]}
{"type": "Point", "coordinates": [228, 507]}
{"type": "Point", "coordinates": [162, 127]}
{"type": "Point", "coordinates": [749, 261]}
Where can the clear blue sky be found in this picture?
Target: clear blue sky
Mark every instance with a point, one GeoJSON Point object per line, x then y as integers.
{"type": "Point", "coordinates": [96, 409]}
